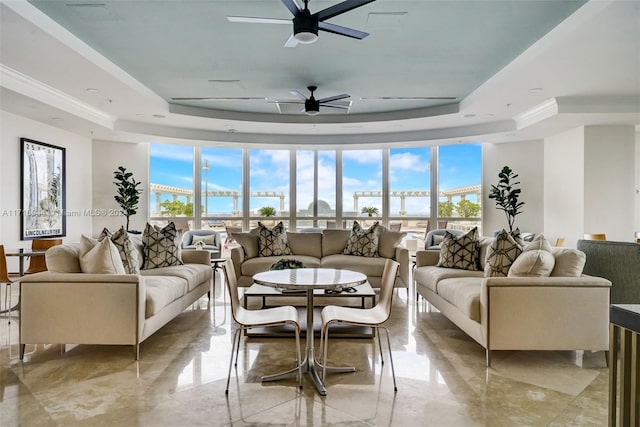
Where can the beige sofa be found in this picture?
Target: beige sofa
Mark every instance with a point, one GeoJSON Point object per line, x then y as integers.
{"type": "Point", "coordinates": [67, 306]}
{"type": "Point", "coordinates": [519, 313]}
{"type": "Point", "coordinates": [322, 250]}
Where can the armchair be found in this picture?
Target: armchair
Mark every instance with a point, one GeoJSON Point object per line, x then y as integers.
{"type": "Point", "coordinates": [210, 238]}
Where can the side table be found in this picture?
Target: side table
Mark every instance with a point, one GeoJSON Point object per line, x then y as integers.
{"type": "Point", "coordinates": [624, 330]}
{"type": "Point", "coordinates": [216, 263]}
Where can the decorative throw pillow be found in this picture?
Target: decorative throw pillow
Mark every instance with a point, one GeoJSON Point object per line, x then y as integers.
{"type": "Point", "coordinates": [569, 262]}
{"type": "Point", "coordinates": [539, 243]}
{"type": "Point", "coordinates": [161, 246]}
{"type": "Point", "coordinates": [99, 257]}
{"type": "Point", "coordinates": [249, 242]}
{"type": "Point", "coordinates": [272, 242]}
{"type": "Point", "coordinates": [502, 252]}
{"type": "Point", "coordinates": [209, 240]}
{"type": "Point", "coordinates": [460, 251]}
{"type": "Point", "coordinates": [533, 263]}
{"type": "Point", "coordinates": [126, 248]}
{"type": "Point", "coordinates": [389, 241]}
{"type": "Point", "coordinates": [363, 242]}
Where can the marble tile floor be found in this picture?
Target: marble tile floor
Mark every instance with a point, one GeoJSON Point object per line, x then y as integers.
{"type": "Point", "coordinates": [181, 375]}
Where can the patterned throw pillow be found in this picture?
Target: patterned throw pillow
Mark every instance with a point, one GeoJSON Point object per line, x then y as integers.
{"type": "Point", "coordinates": [460, 252]}
{"type": "Point", "coordinates": [363, 242]}
{"type": "Point", "coordinates": [161, 246]}
{"type": "Point", "coordinates": [501, 254]}
{"type": "Point", "coordinates": [273, 242]}
{"type": "Point", "coordinates": [126, 248]}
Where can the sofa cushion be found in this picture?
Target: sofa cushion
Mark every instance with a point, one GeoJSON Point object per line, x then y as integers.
{"type": "Point", "coordinates": [460, 252]}
{"type": "Point", "coordinates": [533, 263]}
{"type": "Point", "coordinates": [126, 248]}
{"type": "Point", "coordinates": [272, 242]}
{"type": "Point", "coordinates": [161, 246]}
{"type": "Point", "coordinates": [162, 291]}
{"type": "Point", "coordinates": [248, 241]}
{"type": "Point", "coordinates": [365, 265]}
{"type": "Point", "coordinates": [538, 243]}
{"type": "Point", "coordinates": [363, 242]}
{"type": "Point", "coordinates": [484, 243]}
{"type": "Point", "coordinates": [334, 241]}
{"type": "Point", "coordinates": [309, 244]}
{"type": "Point", "coordinates": [464, 293]}
{"type": "Point", "coordinates": [193, 274]}
{"type": "Point", "coordinates": [136, 240]}
{"type": "Point", "coordinates": [389, 240]}
{"type": "Point", "coordinates": [569, 262]}
{"type": "Point", "coordinates": [502, 252]}
{"type": "Point", "coordinates": [259, 264]}
{"type": "Point", "coordinates": [430, 276]}
{"type": "Point", "coordinates": [64, 258]}
{"type": "Point", "coordinates": [99, 257]}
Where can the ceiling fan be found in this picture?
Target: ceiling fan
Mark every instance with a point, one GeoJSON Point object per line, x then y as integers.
{"type": "Point", "coordinates": [306, 24]}
{"type": "Point", "coordinates": [405, 98]}
{"type": "Point", "coordinates": [312, 105]}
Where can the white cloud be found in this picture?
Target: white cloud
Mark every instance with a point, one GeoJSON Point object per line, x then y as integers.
{"type": "Point", "coordinates": [363, 156]}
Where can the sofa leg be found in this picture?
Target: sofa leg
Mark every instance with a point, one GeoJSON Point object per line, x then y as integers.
{"type": "Point", "coordinates": [136, 351]}
{"type": "Point", "coordinates": [488, 355]}
{"type": "Point", "coordinates": [22, 348]}
{"type": "Point", "coordinates": [606, 357]}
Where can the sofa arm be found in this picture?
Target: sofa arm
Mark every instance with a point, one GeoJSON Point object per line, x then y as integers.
{"type": "Point", "coordinates": [82, 308]}
{"type": "Point", "coordinates": [196, 257]}
{"type": "Point", "coordinates": [427, 258]}
{"type": "Point", "coordinates": [545, 313]}
{"type": "Point", "coordinates": [237, 257]}
{"type": "Point", "coordinates": [402, 256]}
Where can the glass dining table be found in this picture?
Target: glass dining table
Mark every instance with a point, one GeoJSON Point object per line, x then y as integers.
{"type": "Point", "coordinates": [308, 279]}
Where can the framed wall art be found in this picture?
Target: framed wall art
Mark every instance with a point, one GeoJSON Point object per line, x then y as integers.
{"type": "Point", "coordinates": [42, 191]}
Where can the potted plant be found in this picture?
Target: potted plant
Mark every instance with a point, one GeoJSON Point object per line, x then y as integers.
{"type": "Point", "coordinates": [506, 195]}
{"type": "Point", "coordinates": [267, 211]}
{"type": "Point", "coordinates": [370, 211]}
{"type": "Point", "coordinates": [128, 193]}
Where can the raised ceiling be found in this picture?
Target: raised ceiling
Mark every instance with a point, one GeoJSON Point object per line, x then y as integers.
{"type": "Point", "coordinates": [488, 55]}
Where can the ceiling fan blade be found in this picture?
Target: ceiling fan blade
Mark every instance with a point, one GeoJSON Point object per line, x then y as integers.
{"type": "Point", "coordinates": [343, 31]}
{"type": "Point", "coordinates": [291, 41]}
{"type": "Point", "coordinates": [339, 8]}
{"type": "Point", "coordinates": [403, 98]}
{"type": "Point", "coordinates": [240, 98]}
{"type": "Point", "coordinates": [286, 102]}
{"type": "Point", "coordinates": [298, 95]}
{"type": "Point", "coordinates": [293, 7]}
{"type": "Point", "coordinates": [334, 98]}
{"type": "Point", "coordinates": [340, 107]}
{"type": "Point", "coordinates": [258, 20]}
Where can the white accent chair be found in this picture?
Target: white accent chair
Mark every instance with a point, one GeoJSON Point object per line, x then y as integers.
{"type": "Point", "coordinates": [373, 317]}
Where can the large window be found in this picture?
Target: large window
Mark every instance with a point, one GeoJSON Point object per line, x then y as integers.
{"type": "Point", "coordinates": [269, 183]}
{"type": "Point", "coordinates": [361, 183]}
{"type": "Point", "coordinates": [171, 189]}
{"type": "Point", "coordinates": [459, 177]}
{"type": "Point", "coordinates": [332, 188]}
{"type": "Point", "coordinates": [221, 179]}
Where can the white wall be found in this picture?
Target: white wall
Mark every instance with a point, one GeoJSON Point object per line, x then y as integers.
{"type": "Point", "coordinates": [637, 220]}
{"type": "Point", "coordinates": [78, 173]}
{"type": "Point", "coordinates": [609, 182]}
{"type": "Point", "coordinates": [526, 159]}
{"type": "Point", "coordinates": [564, 186]}
{"type": "Point", "coordinates": [107, 157]}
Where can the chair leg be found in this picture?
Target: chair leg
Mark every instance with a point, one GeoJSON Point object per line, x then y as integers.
{"type": "Point", "coordinates": [380, 347]}
{"type": "Point", "coordinates": [238, 347]}
{"type": "Point", "coordinates": [324, 350]}
{"type": "Point", "coordinates": [233, 346]}
{"type": "Point", "coordinates": [22, 348]}
{"type": "Point", "coordinates": [393, 371]}
{"type": "Point", "coordinates": [298, 358]}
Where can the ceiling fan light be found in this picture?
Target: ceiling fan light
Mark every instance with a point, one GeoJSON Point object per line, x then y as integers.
{"type": "Point", "coordinates": [306, 37]}
{"type": "Point", "coordinates": [312, 112]}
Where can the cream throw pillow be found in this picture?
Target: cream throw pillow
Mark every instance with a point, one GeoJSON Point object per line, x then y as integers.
{"type": "Point", "coordinates": [533, 263]}
{"type": "Point", "coordinates": [99, 257]}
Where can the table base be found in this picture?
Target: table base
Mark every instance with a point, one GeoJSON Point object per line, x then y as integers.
{"type": "Point", "coordinates": [314, 369]}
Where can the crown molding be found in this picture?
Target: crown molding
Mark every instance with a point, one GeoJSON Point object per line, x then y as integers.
{"type": "Point", "coordinates": [32, 88]}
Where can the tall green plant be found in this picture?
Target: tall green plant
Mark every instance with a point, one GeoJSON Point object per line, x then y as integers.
{"type": "Point", "coordinates": [506, 195]}
{"type": "Point", "coordinates": [128, 193]}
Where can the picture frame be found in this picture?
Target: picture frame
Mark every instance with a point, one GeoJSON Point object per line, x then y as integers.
{"type": "Point", "coordinates": [42, 190]}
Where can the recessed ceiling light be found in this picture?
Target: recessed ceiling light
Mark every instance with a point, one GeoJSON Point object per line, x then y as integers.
{"type": "Point", "coordinates": [233, 130]}
{"type": "Point", "coordinates": [487, 115]}
{"type": "Point", "coordinates": [159, 116]}
{"type": "Point", "coordinates": [139, 114]}
{"type": "Point", "coordinates": [535, 90]}
{"type": "Point", "coordinates": [57, 119]}
{"type": "Point", "coordinates": [468, 116]}
{"type": "Point", "coordinates": [93, 90]}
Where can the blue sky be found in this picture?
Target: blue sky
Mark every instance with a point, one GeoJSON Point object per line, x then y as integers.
{"type": "Point", "coordinates": [459, 165]}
